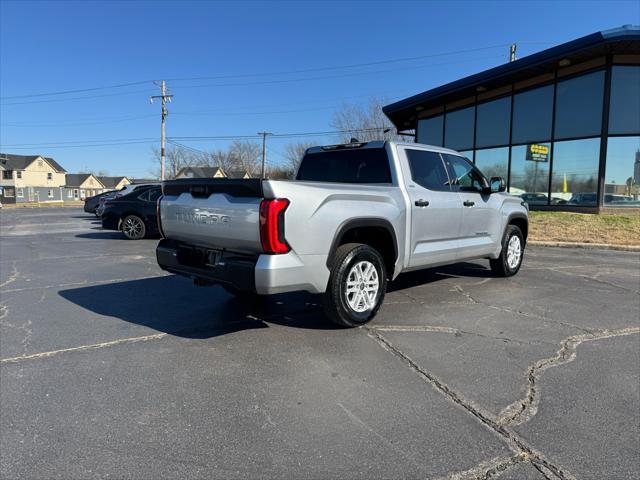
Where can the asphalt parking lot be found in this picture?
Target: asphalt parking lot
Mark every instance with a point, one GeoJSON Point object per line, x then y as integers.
{"type": "Point", "coordinates": [112, 368]}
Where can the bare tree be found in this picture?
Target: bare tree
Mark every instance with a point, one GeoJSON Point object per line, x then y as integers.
{"type": "Point", "coordinates": [294, 152]}
{"type": "Point", "coordinates": [176, 158]}
{"type": "Point", "coordinates": [245, 155]}
{"type": "Point", "coordinates": [369, 120]}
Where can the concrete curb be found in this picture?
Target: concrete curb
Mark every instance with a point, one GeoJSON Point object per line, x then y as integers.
{"type": "Point", "coordinates": [599, 246]}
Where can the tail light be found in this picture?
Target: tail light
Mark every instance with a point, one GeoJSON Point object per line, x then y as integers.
{"type": "Point", "coordinates": [158, 216]}
{"type": "Point", "coordinates": [272, 225]}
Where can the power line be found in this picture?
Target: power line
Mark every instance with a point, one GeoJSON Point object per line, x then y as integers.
{"type": "Point", "coordinates": [79, 90]}
{"type": "Point", "coordinates": [340, 67]}
{"type": "Point", "coordinates": [86, 97]}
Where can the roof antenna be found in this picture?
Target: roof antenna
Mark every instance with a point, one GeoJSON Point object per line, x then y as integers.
{"type": "Point", "coordinates": [354, 140]}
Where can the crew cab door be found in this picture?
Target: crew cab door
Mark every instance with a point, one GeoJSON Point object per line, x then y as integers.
{"type": "Point", "coordinates": [479, 232]}
{"type": "Point", "coordinates": [435, 209]}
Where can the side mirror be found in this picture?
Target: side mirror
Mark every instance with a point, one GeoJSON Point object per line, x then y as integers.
{"type": "Point", "coordinates": [498, 184]}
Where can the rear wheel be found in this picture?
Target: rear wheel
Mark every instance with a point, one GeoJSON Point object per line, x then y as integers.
{"type": "Point", "coordinates": [133, 227]}
{"type": "Point", "coordinates": [510, 259]}
{"type": "Point", "coordinates": [357, 285]}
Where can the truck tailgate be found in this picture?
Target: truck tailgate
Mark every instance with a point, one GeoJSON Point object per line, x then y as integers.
{"type": "Point", "coordinates": [214, 213]}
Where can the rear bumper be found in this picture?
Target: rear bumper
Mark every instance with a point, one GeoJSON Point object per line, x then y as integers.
{"type": "Point", "coordinates": [263, 274]}
{"type": "Point", "coordinates": [231, 269]}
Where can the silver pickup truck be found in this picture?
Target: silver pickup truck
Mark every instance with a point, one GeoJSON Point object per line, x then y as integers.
{"type": "Point", "coordinates": [356, 216]}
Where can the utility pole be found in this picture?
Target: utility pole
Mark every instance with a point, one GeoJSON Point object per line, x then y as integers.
{"type": "Point", "coordinates": [264, 152]}
{"type": "Point", "coordinates": [165, 98]}
{"type": "Point", "coordinates": [512, 52]}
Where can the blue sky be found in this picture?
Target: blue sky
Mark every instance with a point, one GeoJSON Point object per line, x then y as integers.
{"type": "Point", "coordinates": [58, 46]}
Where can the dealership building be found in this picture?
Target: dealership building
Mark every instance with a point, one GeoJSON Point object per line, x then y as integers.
{"type": "Point", "coordinates": [562, 126]}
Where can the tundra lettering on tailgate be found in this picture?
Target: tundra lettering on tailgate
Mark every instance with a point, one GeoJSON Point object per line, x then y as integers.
{"type": "Point", "coordinates": [201, 216]}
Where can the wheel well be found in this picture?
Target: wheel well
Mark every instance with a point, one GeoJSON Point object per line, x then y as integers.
{"type": "Point", "coordinates": [376, 237]}
{"type": "Point", "coordinates": [522, 224]}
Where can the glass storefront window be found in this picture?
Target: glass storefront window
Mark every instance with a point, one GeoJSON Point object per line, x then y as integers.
{"type": "Point", "coordinates": [468, 154]}
{"type": "Point", "coordinates": [493, 122]}
{"type": "Point", "coordinates": [493, 162]}
{"type": "Point", "coordinates": [579, 106]}
{"type": "Point", "coordinates": [532, 112]}
{"type": "Point", "coordinates": [459, 129]}
{"type": "Point", "coordinates": [624, 110]}
{"type": "Point", "coordinates": [575, 172]}
{"type": "Point", "coordinates": [530, 172]}
{"type": "Point", "coordinates": [430, 131]}
{"type": "Point", "coordinates": [622, 175]}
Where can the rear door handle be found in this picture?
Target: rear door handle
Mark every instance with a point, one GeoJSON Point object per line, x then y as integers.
{"type": "Point", "coordinates": [469, 203]}
{"type": "Point", "coordinates": [421, 203]}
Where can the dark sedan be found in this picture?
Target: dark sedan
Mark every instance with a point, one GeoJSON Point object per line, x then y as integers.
{"type": "Point", "coordinates": [134, 214]}
{"type": "Point", "coordinates": [91, 203]}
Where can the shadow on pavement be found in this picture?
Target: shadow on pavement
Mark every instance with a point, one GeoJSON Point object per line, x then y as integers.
{"type": "Point", "coordinates": [424, 277]}
{"type": "Point", "coordinates": [172, 304]}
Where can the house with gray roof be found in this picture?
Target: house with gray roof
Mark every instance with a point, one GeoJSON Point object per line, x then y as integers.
{"type": "Point", "coordinates": [30, 179]}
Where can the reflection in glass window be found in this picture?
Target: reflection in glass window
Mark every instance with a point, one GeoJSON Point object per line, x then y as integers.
{"type": "Point", "coordinates": [575, 172]}
{"type": "Point", "coordinates": [459, 129]}
{"type": "Point", "coordinates": [624, 116]}
{"type": "Point", "coordinates": [493, 162]}
{"type": "Point", "coordinates": [430, 131]}
{"type": "Point", "coordinates": [427, 170]}
{"type": "Point", "coordinates": [530, 172]}
{"type": "Point", "coordinates": [468, 154]}
{"type": "Point", "coordinates": [532, 112]}
{"type": "Point", "coordinates": [466, 176]}
{"type": "Point", "coordinates": [579, 106]}
{"type": "Point", "coordinates": [622, 176]}
{"type": "Point", "coordinates": [493, 120]}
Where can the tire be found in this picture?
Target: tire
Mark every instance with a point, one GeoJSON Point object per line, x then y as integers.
{"type": "Point", "coordinates": [352, 308]}
{"type": "Point", "coordinates": [509, 262]}
{"type": "Point", "coordinates": [133, 227]}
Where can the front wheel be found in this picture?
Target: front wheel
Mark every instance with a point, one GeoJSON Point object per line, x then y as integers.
{"type": "Point", "coordinates": [133, 227]}
{"type": "Point", "coordinates": [357, 285]}
{"type": "Point", "coordinates": [510, 259]}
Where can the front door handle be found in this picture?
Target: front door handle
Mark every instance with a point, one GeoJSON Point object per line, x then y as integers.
{"type": "Point", "coordinates": [421, 203]}
{"type": "Point", "coordinates": [469, 203]}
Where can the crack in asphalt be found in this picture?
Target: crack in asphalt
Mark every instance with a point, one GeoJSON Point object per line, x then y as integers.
{"type": "Point", "coordinates": [594, 279]}
{"type": "Point", "coordinates": [517, 444]}
{"type": "Point", "coordinates": [523, 410]}
{"type": "Point", "coordinates": [487, 469]}
{"type": "Point", "coordinates": [458, 288]}
{"type": "Point", "coordinates": [454, 331]}
{"type": "Point", "coordinates": [13, 276]}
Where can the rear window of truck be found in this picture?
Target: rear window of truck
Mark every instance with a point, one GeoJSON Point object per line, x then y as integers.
{"type": "Point", "coordinates": [363, 165]}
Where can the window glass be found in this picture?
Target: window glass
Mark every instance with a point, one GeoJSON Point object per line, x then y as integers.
{"type": "Point", "coordinates": [49, 176]}
{"type": "Point", "coordinates": [579, 106]}
{"type": "Point", "coordinates": [144, 196]}
{"type": "Point", "coordinates": [8, 192]}
{"type": "Point", "coordinates": [430, 131]}
{"type": "Point", "coordinates": [20, 193]}
{"type": "Point", "coordinates": [575, 172]}
{"type": "Point", "coordinates": [352, 165]}
{"type": "Point", "coordinates": [7, 174]}
{"type": "Point", "coordinates": [624, 110]}
{"type": "Point", "coordinates": [154, 194]}
{"type": "Point", "coordinates": [18, 174]}
{"type": "Point", "coordinates": [530, 172]}
{"type": "Point", "coordinates": [50, 193]}
{"type": "Point", "coordinates": [532, 112]}
{"type": "Point", "coordinates": [493, 120]}
{"type": "Point", "coordinates": [493, 162]}
{"type": "Point", "coordinates": [622, 175]}
{"type": "Point", "coordinates": [459, 129]}
{"type": "Point", "coordinates": [427, 170]}
{"type": "Point", "coordinates": [465, 175]}
{"type": "Point", "coordinates": [468, 154]}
